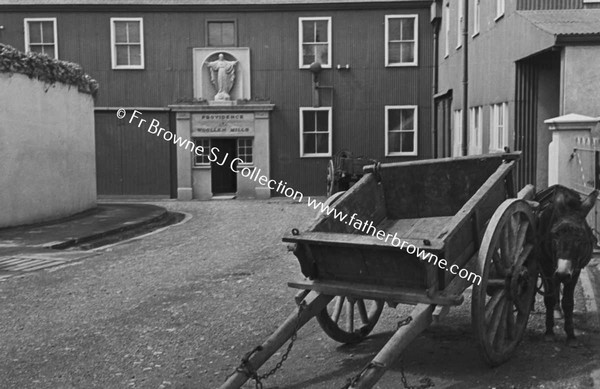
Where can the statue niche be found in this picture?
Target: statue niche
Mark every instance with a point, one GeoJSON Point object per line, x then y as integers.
{"type": "Point", "coordinates": [222, 75]}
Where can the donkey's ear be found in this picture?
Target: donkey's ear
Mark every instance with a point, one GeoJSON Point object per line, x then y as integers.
{"type": "Point", "coordinates": [589, 202]}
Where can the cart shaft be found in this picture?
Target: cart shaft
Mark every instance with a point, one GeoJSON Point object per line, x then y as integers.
{"type": "Point", "coordinates": [312, 304]}
{"type": "Point", "coordinates": [421, 318]}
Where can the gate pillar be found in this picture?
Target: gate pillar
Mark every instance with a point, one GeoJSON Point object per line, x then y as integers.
{"type": "Point", "coordinates": [571, 153]}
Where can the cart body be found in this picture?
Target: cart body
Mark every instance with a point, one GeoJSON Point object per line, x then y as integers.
{"type": "Point", "coordinates": [440, 207]}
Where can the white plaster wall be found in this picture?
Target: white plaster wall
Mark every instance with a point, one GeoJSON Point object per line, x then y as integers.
{"type": "Point", "coordinates": [47, 151]}
{"type": "Point", "coordinates": [581, 80]}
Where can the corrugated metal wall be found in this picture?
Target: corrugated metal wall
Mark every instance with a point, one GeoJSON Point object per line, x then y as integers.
{"type": "Point", "coordinates": [526, 122]}
{"type": "Point", "coordinates": [548, 4]}
{"type": "Point", "coordinates": [359, 96]}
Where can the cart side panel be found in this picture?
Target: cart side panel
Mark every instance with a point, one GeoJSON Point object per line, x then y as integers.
{"type": "Point", "coordinates": [365, 199]}
{"type": "Point", "coordinates": [434, 188]}
{"type": "Point", "coordinates": [468, 226]}
{"type": "Point", "coordinates": [392, 267]}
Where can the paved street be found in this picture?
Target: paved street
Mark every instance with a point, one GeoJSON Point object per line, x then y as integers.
{"type": "Point", "coordinates": [178, 308]}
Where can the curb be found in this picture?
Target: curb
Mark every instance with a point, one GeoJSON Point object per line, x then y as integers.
{"type": "Point", "coordinates": [591, 305]}
{"type": "Point", "coordinates": [114, 231]}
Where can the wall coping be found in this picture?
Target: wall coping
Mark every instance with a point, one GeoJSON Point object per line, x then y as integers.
{"type": "Point", "coordinates": [572, 121]}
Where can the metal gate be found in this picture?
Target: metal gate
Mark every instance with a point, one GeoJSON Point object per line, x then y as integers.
{"type": "Point", "coordinates": [584, 172]}
{"type": "Point", "coordinates": [130, 161]}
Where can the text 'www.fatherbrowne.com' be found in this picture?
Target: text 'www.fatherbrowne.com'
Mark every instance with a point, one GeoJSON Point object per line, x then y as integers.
{"type": "Point", "coordinates": [254, 174]}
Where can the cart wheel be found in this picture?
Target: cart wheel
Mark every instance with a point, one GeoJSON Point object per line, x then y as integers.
{"type": "Point", "coordinates": [349, 320]}
{"type": "Point", "coordinates": [502, 301]}
{"type": "Point", "coordinates": [332, 182]}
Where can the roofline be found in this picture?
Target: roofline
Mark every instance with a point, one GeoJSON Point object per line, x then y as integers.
{"type": "Point", "coordinates": [577, 39]}
{"type": "Point", "coordinates": [223, 7]}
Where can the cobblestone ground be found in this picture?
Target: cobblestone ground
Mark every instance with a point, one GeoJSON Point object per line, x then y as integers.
{"type": "Point", "coordinates": [178, 308]}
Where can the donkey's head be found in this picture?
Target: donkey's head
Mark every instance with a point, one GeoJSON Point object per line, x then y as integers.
{"type": "Point", "coordinates": [571, 237]}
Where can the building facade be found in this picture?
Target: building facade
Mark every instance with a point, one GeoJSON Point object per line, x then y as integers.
{"type": "Point", "coordinates": [171, 60]}
{"type": "Point", "coordinates": [528, 61]}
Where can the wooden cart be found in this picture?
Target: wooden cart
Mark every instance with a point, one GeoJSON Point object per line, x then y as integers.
{"type": "Point", "coordinates": [344, 170]}
{"type": "Point", "coordinates": [464, 210]}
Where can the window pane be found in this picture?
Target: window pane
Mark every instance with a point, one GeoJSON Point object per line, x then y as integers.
{"type": "Point", "coordinates": [406, 141]}
{"type": "Point", "coordinates": [48, 32]}
{"type": "Point", "coordinates": [408, 29]}
{"type": "Point", "coordinates": [309, 121]}
{"type": "Point", "coordinates": [308, 54]}
{"type": "Point", "coordinates": [394, 120]}
{"type": "Point", "coordinates": [214, 34]}
{"type": "Point", "coordinates": [135, 55]}
{"type": "Point", "coordinates": [221, 34]}
{"type": "Point", "coordinates": [322, 143]}
{"type": "Point", "coordinates": [308, 31]}
{"type": "Point", "coordinates": [408, 52]}
{"type": "Point", "coordinates": [309, 144]}
{"type": "Point", "coordinates": [36, 48]}
{"type": "Point", "coordinates": [122, 55]}
{"type": "Point", "coordinates": [395, 26]}
{"type": "Point", "coordinates": [228, 37]}
{"type": "Point", "coordinates": [35, 32]}
{"type": "Point", "coordinates": [321, 54]}
{"type": "Point", "coordinates": [500, 114]}
{"type": "Point", "coordinates": [321, 33]}
{"type": "Point", "coordinates": [120, 32]}
{"type": "Point", "coordinates": [322, 121]}
{"type": "Point", "coordinates": [134, 32]}
{"type": "Point", "coordinates": [49, 51]}
{"type": "Point", "coordinates": [408, 116]}
{"type": "Point", "coordinates": [394, 52]}
{"type": "Point", "coordinates": [394, 142]}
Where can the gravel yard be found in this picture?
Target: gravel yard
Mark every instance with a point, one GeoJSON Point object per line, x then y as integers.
{"type": "Point", "coordinates": [178, 308]}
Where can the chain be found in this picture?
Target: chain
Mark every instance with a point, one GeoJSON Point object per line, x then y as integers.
{"type": "Point", "coordinates": [426, 382]}
{"type": "Point", "coordinates": [404, 322]}
{"type": "Point", "coordinates": [246, 368]}
{"type": "Point", "coordinates": [354, 380]}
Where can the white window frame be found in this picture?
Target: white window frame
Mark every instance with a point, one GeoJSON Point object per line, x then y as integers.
{"type": "Point", "coordinates": [415, 62]}
{"type": "Point", "coordinates": [475, 130]}
{"type": "Point", "coordinates": [459, 21]}
{"type": "Point", "coordinates": [26, 22]}
{"type": "Point", "coordinates": [476, 17]}
{"type": "Point", "coordinates": [239, 140]}
{"type": "Point", "coordinates": [500, 8]}
{"type": "Point", "coordinates": [206, 152]}
{"type": "Point", "coordinates": [113, 46]}
{"type": "Point", "coordinates": [497, 110]}
{"type": "Point", "coordinates": [457, 134]}
{"type": "Point", "coordinates": [447, 32]}
{"type": "Point", "coordinates": [415, 151]}
{"type": "Point", "coordinates": [329, 132]}
{"type": "Point", "coordinates": [300, 42]}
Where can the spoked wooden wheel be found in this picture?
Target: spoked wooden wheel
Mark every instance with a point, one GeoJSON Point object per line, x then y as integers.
{"type": "Point", "coordinates": [502, 301]}
{"type": "Point", "coordinates": [349, 320]}
{"type": "Point", "coordinates": [332, 184]}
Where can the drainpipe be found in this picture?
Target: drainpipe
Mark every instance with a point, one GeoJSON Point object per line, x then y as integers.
{"type": "Point", "coordinates": [465, 82]}
{"type": "Point", "coordinates": [434, 115]}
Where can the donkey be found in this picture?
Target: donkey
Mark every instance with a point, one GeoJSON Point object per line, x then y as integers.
{"type": "Point", "coordinates": [566, 243]}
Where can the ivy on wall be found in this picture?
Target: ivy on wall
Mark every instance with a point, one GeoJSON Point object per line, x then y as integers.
{"type": "Point", "coordinates": [49, 70]}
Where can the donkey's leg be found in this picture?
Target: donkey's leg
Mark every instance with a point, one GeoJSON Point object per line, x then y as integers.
{"type": "Point", "coordinates": [568, 303]}
{"type": "Point", "coordinates": [550, 301]}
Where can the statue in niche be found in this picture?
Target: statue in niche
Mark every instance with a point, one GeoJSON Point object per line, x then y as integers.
{"type": "Point", "coordinates": [222, 76]}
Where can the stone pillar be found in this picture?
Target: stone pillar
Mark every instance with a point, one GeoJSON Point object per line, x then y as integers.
{"type": "Point", "coordinates": [184, 160]}
{"type": "Point", "coordinates": [261, 121]}
{"type": "Point", "coordinates": [567, 131]}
